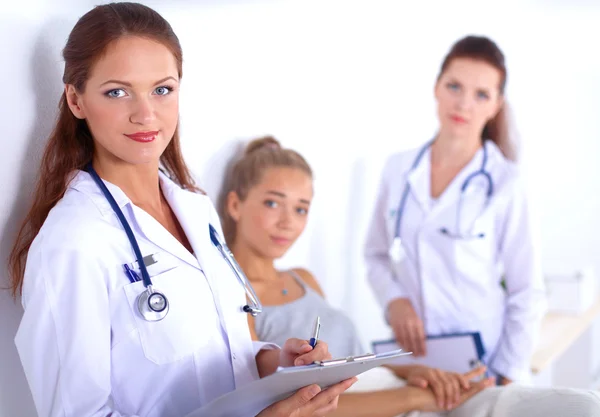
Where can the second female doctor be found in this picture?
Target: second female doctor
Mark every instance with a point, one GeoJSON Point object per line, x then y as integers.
{"type": "Point", "coordinates": [451, 247]}
{"type": "Point", "coordinates": [98, 337]}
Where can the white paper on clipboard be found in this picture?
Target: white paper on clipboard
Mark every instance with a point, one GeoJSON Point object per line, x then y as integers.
{"type": "Point", "coordinates": [459, 352]}
{"type": "Point", "coordinates": [252, 398]}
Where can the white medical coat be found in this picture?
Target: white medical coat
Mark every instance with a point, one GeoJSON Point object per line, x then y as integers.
{"type": "Point", "coordinates": [86, 350]}
{"type": "Point", "coordinates": [454, 285]}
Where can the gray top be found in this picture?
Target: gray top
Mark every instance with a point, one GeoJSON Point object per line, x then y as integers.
{"type": "Point", "coordinates": [278, 323]}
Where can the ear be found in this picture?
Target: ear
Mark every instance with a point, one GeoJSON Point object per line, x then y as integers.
{"type": "Point", "coordinates": [233, 205]}
{"type": "Point", "coordinates": [436, 89]}
{"type": "Point", "coordinates": [74, 101]}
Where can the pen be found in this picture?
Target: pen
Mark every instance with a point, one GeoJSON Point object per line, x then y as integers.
{"type": "Point", "coordinates": [313, 340]}
{"type": "Point", "coordinates": [133, 277]}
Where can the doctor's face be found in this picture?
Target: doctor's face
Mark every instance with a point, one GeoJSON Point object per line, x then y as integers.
{"type": "Point", "coordinates": [130, 101]}
{"type": "Point", "coordinates": [274, 213]}
{"type": "Point", "coordinates": [468, 96]}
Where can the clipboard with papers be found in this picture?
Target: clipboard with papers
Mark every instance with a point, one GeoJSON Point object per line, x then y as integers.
{"type": "Point", "coordinates": [252, 398]}
{"type": "Point", "coordinates": [457, 352]}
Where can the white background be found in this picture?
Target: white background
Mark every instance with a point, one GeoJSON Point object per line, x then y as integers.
{"type": "Point", "coordinates": [345, 83]}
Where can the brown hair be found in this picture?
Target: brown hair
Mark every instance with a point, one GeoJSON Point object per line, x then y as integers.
{"type": "Point", "coordinates": [70, 146]}
{"type": "Point", "coordinates": [260, 155]}
{"type": "Point", "coordinates": [484, 49]}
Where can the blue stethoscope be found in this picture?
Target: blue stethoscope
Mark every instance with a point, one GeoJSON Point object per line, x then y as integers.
{"type": "Point", "coordinates": [152, 304]}
{"type": "Point", "coordinates": [396, 251]}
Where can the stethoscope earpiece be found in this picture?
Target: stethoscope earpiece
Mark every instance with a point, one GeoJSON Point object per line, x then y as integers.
{"type": "Point", "coordinates": [250, 310]}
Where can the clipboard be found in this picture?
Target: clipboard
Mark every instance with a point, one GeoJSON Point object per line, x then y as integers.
{"type": "Point", "coordinates": [252, 398]}
{"type": "Point", "coordinates": [456, 352]}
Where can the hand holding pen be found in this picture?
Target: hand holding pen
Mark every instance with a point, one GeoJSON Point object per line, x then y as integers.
{"type": "Point", "coordinates": [309, 400]}
{"type": "Point", "coordinates": [297, 352]}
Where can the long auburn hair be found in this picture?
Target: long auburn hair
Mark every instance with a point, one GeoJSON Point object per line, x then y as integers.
{"type": "Point", "coordinates": [70, 145]}
{"type": "Point", "coordinates": [484, 49]}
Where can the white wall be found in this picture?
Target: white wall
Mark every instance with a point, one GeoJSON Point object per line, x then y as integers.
{"type": "Point", "coordinates": [345, 83]}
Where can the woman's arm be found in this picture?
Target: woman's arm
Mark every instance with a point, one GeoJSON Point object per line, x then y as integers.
{"type": "Point", "coordinates": [382, 403]}
{"type": "Point", "coordinates": [525, 299]}
{"type": "Point", "coordinates": [380, 274]}
{"type": "Point", "coordinates": [252, 327]}
{"type": "Point", "coordinates": [267, 362]}
{"type": "Point", "coordinates": [402, 371]}
{"type": "Point", "coordinates": [447, 386]}
{"type": "Point", "coordinates": [267, 357]}
{"type": "Point", "coordinates": [293, 353]}
{"type": "Point", "coordinates": [392, 402]}
{"type": "Point", "coordinates": [64, 339]}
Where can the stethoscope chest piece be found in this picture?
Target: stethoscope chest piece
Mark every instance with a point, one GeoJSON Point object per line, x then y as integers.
{"type": "Point", "coordinates": [397, 253]}
{"type": "Point", "coordinates": [152, 304]}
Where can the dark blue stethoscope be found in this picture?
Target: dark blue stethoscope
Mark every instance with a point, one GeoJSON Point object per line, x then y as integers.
{"type": "Point", "coordinates": [152, 304]}
{"type": "Point", "coordinates": [396, 250]}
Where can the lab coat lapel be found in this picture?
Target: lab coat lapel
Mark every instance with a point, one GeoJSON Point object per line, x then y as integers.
{"type": "Point", "coordinates": [214, 266]}
{"type": "Point", "coordinates": [420, 183]}
{"type": "Point", "coordinates": [188, 207]}
{"type": "Point", "coordinates": [453, 191]}
{"type": "Point", "coordinates": [192, 211]}
{"type": "Point", "coordinates": [452, 194]}
{"type": "Point", "coordinates": [160, 236]}
{"type": "Point", "coordinates": [228, 294]}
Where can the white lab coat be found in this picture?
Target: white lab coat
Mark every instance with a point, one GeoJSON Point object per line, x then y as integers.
{"type": "Point", "coordinates": [454, 285]}
{"type": "Point", "coordinates": [84, 347]}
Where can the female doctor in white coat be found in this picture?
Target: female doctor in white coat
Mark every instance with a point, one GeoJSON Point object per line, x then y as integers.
{"type": "Point", "coordinates": [131, 307]}
{"type": "Point", "coordinates": [451, 246]}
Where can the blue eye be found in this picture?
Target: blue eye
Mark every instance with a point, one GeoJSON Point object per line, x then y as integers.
{"type": "Point", "coordinates": [453, 86]}
{"type": "Point", "coordinates": [270, 203]}
{"type": "Point", "coordinates": [116, 93]}
{"type": "Point", "coordinates": [163, 90]}
{"type": "Point", "coordinates": [483, 95]}
{"type": "Point", "coordinates": [302, 211]}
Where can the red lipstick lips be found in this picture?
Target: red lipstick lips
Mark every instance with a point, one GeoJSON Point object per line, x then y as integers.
{"type": "Point", "coordinates": [143, 137]}
{"type": "Point", "coordinates": [458, 119]}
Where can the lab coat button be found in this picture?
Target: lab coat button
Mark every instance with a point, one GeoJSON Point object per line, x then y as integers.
{"type": "Point", "coordinates": [233, 356]}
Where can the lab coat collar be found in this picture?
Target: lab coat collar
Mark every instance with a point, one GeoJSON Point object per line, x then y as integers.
{"type": "Point", "coordinates": [495, 156]}
{"type": "Point", "coordinates": [185, 206]}
{"type": "Point", "coordinates": [474, 165]}
{"type": "Point", "coordinates": [477, 186]}
{"type": "Point", "coordinates": [420, 178]}
{"type": "Point", "coordinates": [83, 182]}
{"type": "Point", "coordinates": [188, 208]}
{"type": "Point", "coordinates": [146, 224]}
